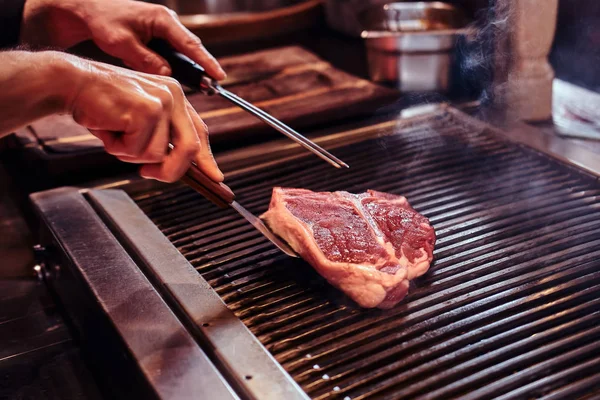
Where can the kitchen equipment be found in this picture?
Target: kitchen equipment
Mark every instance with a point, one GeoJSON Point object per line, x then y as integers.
{"type": "Point", "coordinates": [194, 77]}
{"type": "Point", "coordinates": [234, 21]}
{"type": "Point", "coordinates": [222, 196]}
{"type": "Point", "coordinates": [411, 44]}
{"type": "Point", "coordinates": [342, 15]}
{"type": "Point", "coordinates": [509, 309]}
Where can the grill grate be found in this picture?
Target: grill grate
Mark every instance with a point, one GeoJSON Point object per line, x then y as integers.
{"type": "Point", "coordinates": [508, 310]}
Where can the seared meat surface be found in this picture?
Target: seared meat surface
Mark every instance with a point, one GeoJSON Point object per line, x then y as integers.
{"type": "Point", "coordinates": [369, 245]}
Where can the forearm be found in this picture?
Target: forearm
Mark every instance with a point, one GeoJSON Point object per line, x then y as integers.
{"type": "Point", "coordinates": [136, 115]}
{"type": "Point", "coordinates": [32, 86]}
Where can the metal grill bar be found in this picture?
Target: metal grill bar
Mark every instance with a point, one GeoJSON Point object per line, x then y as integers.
{"type": "Point", "coordinates": [422, 308]}
{"type": "Point", "coordinates": [423, 372]}
{"type": "Point", "coordinates": [576, 387]}
{"type": "Point", "coordinates": [509, 308]}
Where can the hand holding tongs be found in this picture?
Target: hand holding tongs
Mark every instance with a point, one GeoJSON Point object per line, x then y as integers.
{"type": "Point", "coordinates": [192, 75]}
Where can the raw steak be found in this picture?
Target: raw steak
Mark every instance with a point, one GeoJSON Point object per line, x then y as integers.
{"type": "Point", "coordinates": [369, 245]}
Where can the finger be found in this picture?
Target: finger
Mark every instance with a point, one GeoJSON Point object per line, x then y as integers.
{"type": "Point", "coordinates": [107, 137]}
{"type": "Point", "coordinates": [139, 160]}
{"type": "Point", "coordinates": [157, 148]}
{"type": "Point", "coordinates": [174, 166]}
{"type": "Point", "coordinates": [204, 159]}
{"type": "Point", "coordinates": [134, 54]}
{"type": "Point", "coordinates": [113, 142]}
{"type": "Point", "coordinates": [186, 145]}
{"type": "Point", "coordinates": [132, 160]}
{"type": "Point", "coordinates": [133, 142]}
{"type": "Point", "coordinates": [167, 26]}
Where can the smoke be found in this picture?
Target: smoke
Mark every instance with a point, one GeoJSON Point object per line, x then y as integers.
{"type": "Point", "coordinates": [486, 56]}
{"type": "Point", "coordinates": [481, 62]}
{"type": "Point", "coordinates": [480, 74]}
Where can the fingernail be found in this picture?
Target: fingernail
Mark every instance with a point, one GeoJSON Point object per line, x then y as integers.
{"type": "Point", "coordinates": [223, 73]}
{"type": "Point", "coordinates": [164, 70]}
{"type": "Point", "coordinates": [142, 172]}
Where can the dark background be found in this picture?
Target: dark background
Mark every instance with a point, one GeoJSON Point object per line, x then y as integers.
{"type": "Point", "coordinates": [575, 54]}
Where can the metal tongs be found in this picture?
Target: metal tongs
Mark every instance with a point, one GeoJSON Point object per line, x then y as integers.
{"type": "Point", "coordinates": [192, 75]}
{"type": "Point", "coordinates": [222, 196]}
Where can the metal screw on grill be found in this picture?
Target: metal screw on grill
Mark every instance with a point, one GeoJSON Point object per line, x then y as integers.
{"type": "Point", "coordinates": [39, 269]}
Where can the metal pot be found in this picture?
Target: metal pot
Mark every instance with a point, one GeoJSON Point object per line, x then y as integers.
{"type": "Point", "coordinates": [411, 45]}
{"type": "Point", "coordinates": [342, 15]}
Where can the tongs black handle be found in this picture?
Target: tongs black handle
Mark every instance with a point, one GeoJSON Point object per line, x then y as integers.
{"type": "Point", "coordinates": [184, 69]}
{"type": "Point", "coordinates": [217, 192]}
{"type": "Point", "coordinates": [195, 77]}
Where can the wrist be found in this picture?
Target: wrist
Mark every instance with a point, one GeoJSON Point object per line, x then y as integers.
{"type": "Point", "coordinates": [54, 23]}
{"type": "Point", "coordinates": [67, 76]}
{"type": "Point", "coordinates": [34, 85]}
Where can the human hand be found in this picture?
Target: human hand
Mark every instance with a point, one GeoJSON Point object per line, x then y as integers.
{"type": "Point", "coordinates": [136, 116]}
{"type": "Point", "coordinates": [120, 28]}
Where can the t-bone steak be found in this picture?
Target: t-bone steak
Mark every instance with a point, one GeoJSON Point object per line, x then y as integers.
{"type": "Point", "coordinates": [369, 245]}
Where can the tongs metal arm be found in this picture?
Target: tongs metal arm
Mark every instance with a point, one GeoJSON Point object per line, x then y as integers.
{"type": "Point", "coordinates": [195, 77]}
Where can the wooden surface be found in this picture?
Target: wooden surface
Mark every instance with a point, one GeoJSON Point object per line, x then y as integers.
{"type": "Point", "coordinates": [291, 83]}
{"type": "Point", "coordinates": [16, 241]}
{"type": "Point", "coordinates": [301, 90]}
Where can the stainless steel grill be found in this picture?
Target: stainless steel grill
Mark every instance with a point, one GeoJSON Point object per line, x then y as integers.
{"type": "Point", "coordinates": [509, 309]}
